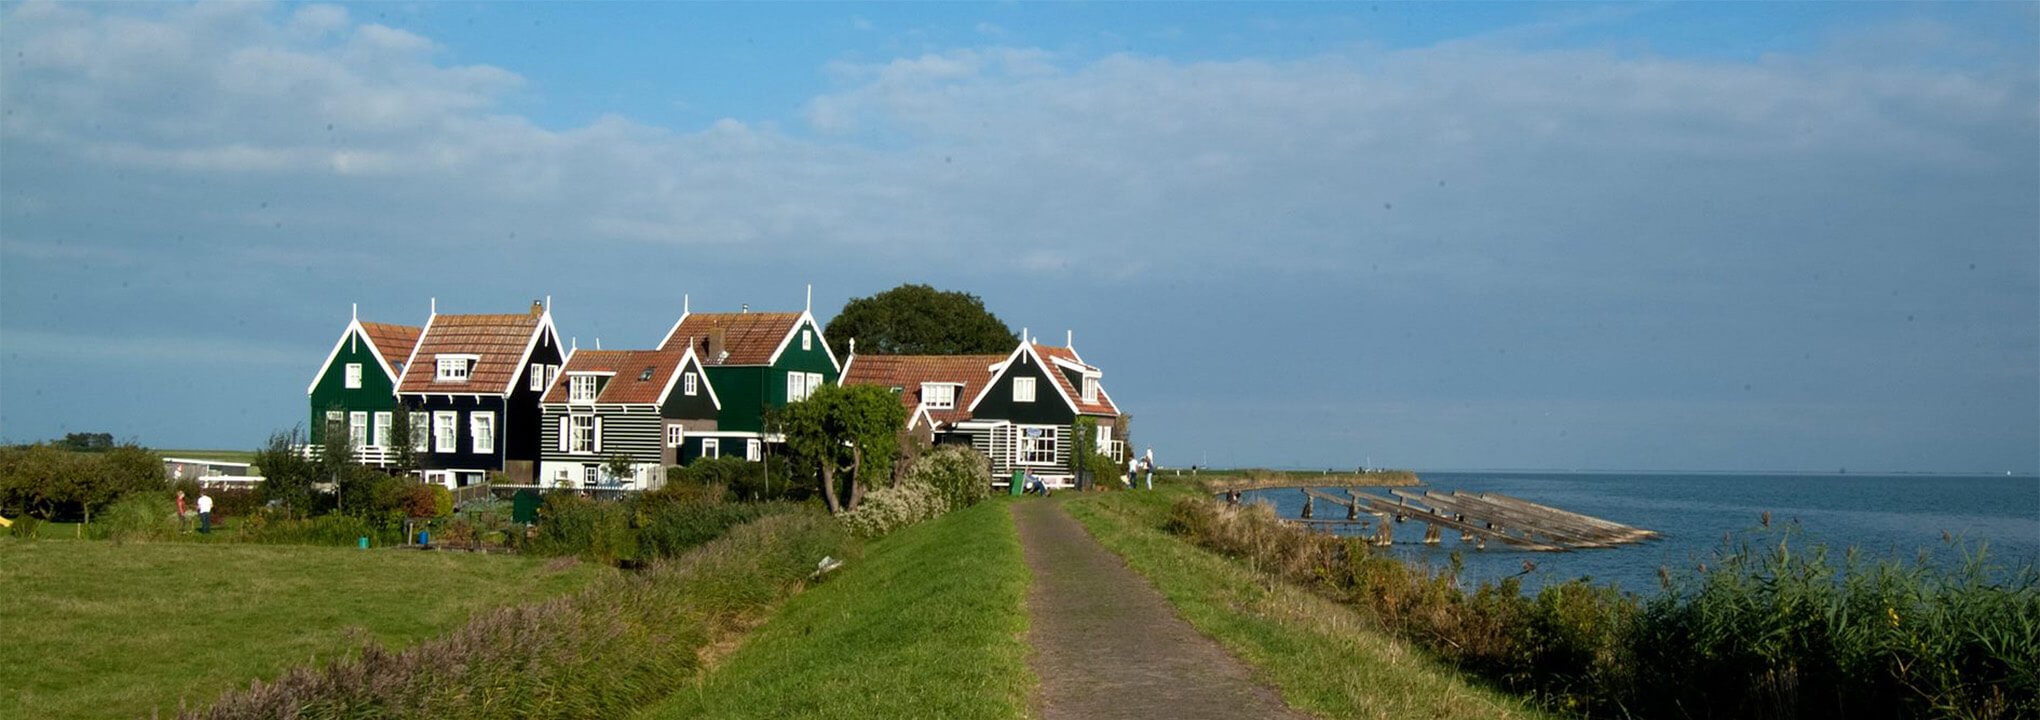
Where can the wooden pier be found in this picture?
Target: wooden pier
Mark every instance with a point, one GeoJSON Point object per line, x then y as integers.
{"type": "Point", "coordinates": [1479, 517]}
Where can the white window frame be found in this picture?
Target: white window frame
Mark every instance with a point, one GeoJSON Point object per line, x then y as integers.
{"type": "Point", "coordinates": [1090, 391]}
{"type": "Point", "coordinates": [421, 432]}
{"type": "Point", "coordinates": [357, 429]}
{"type": "Point", "coordinates": [583, 436]}
{"type": "Point", "coordinates": [1023, 389]}
{"type": "Point", "coordinates": [482, 430]}
{"type": "Point", "coordinates": [552, 372]}
{"type": "Point", "coordinates": [454, 368]}
{"type": "Point", "coordinates": [939, 396]}
{"type": "Point", "coordinates": [537, 381]}
{"type": "Point", "coordinates": [353, 376]}
{"type": "Point", "coordinates": [335, 418]}
{"type": "Point", "coordinates": [753, 450]}
{"type": "Point", "coordinates": [711, 447]}
{"type": "Point", "coordinates": [676, 436]}
{"type": "Point", "coordinates": [807, 340]}
{"type": "Point", "coordinates": [445, 431]}
{"type": "Point", "coordinates": [581, 389]}
{"type": "Point", "coordinates": [689, 384]}
{"type": "Point", "coordinates": [591, 475]}
{"type": "Point", "coordinates": [1036, 445]}
{"type": "Point", "coordinates": [381, 437]}
{"type": "Point", "coordinates": [814, 382]}
{"type": "Point", "coordinates": [796, 387]}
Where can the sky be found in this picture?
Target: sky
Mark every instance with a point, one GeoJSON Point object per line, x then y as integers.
{"type": "Point", "coordinates": [1705, 236]}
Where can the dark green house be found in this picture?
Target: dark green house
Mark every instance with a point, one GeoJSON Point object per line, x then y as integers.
{"type": "Point", "coordinates": [757, 361]}
{"type": "Point", "coordinates": [354, 391]}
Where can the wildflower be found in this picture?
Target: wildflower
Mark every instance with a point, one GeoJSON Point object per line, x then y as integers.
{"type": "Point", "coordinates": [1892, 613]}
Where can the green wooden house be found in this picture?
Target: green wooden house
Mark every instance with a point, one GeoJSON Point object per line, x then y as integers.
{"type": "Point", "coordinates": [757, 361]}
{"type": "Point", "coordinates": [354, 391]}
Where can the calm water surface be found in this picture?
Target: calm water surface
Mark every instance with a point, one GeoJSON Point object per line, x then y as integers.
{"type": "Point", "coordinates": [1882, 516]}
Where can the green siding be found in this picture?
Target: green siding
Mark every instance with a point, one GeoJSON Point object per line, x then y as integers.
{"type": "Point", "coordinates": [747, 390]}
{"type": "Point", "coordinates": [377, 392]}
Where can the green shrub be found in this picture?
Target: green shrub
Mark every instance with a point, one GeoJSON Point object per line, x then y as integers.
{"type": "Point", "coordinates": [959, 473]}
{"type": "Point", "coordinates": [597, 530]}
{"type": "Point", "coordinates": [891, 508]}
{"type": "Point", "coordinates": [276, 528]}
{"type": "Point", "coordinates": [140, 516]}
{"type": "Point", "coordinates": [1105, 472]}
{"type": "Point", "coordinates": [668, 529]}
{"type": "Point", "coordinates": [25, 527]}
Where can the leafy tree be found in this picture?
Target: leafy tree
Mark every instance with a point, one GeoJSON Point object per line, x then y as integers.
{"type": "Point", "coordinates": [619, 467]}
{"type": "Point", "coordinates": [287, 476]}
{"type": "Point", "coordinates": [88, 442]}
{"type": "Point", "coordinates": [44, 478]}
{"type": "Point", "coordinates": [919, 320]}
{"type": "Point", "coordinates": [403, 451]}
{"type": "Point", "coordinates": [838, 428]}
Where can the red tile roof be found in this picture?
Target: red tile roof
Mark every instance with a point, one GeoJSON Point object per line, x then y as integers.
{"type": "Point", "coordinates": [393, 341]}
{"type": "Point", "coordinates": [907, 372]}
{"type": "Point", "coordinates": [1049, 354]}
{"type": "Point", "coordinates": [750, 337]}
{"type": "Point", "coordinates": [629, 385]}
{"type": "Point", "coordinates": [499, 341]}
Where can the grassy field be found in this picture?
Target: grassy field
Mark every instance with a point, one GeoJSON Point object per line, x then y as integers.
{"type": "Point", "coordinates": [1321, 656]}
{"type": "Point", "coordinates": [97, 629]}
{"type": "Point", "coordinates": [930, 623]}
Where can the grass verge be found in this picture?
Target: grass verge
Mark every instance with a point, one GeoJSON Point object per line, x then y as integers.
{"type": "Point", "coordinates": [1323, 657]}
{"type": "Point", "coordinates": [930, 623]}
{"type": "Point", "coordinates": [95, 629]}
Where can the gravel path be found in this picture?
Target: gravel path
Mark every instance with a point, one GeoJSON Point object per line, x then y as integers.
{"type": "Point", "coordinates": [1107, 645]}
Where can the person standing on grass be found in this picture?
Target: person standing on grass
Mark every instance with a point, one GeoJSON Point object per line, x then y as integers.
{"type": "Point", "coordinates": [181, 518]}
{"type": "Point", "coordinates": [204, 513]}
{"type": "Point", "coordinates": [1132, 470]}
{"type": "Point", "coordinates": [1148, 464]}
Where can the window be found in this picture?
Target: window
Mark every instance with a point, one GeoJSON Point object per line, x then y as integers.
{"type": "Point", "coordinates": [482, 427]}
{"type": "Point", "coordinates": [445, 435]}
{"type": "Point", "coordinates": [420, 431]}
{"type": "Point", "coordinates": [1090, 389]}
{"type": "Point", "coordinates": [537, 377]}
{"type": "Point", "coordinates": [814, 382]}
{"type": "Point", "coordinates": [357, 429]}
{"type": "Point", "coordinates": [938, 396]}
{"type": "Point", "coordinates": [354, 376]}
{"type": "Point", "coordinates": [581, 388]}
{"type": "Point", "coordinates": [591, 474]}
{"type": "Point", "coordinates": [455, 368]}
{"type": "Point", "coordinates": [688, 384]}
{"type": "Point", "coordinates": [382, 430]}
{"type": "Point", "coordinates": [581, 437]}
{"type": "Point", "coordinates": [1038, 445]}
{"type": "Point", "coordinates": [1104, 437]}
{"type": "Point", "coordinates": [1023, 389]}
{"type": "Point", "coordinates": [645, 376]}
{"type": "Point", "coordinates": [561, 476]}
{"type": "Point", "coordinates": [335, 420]}
{"type": "Point", "coordinates": [675, 435]}
{"type": "Point", "coordinates": [552, 372]}
{"type": "Point", "coordinates": [807, 340]}
{"type": "Point", "coordinates": [796, 387]}
{"type": "Point", "coordinates": [753, 450]}
{"type": "Point", "coordinates": [711, 448]}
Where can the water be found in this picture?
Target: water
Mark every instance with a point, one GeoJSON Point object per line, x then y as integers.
{"type": "Point", "coordinates": [1883, 516]}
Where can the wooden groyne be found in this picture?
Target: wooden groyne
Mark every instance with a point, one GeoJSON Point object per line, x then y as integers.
{"type": "Point", "coordinates": [1478, 517]}
{"type": "Point", "coordinates": [1273, 480]}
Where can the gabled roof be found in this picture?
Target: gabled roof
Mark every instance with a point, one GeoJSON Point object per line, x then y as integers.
{"type": "Point", "coordinates": [908, 372]}
{"type": "Point", "coordinates": [752, 338]}
{"type": "Point", "coordinates": [390, 344]}
{"type": "Point", "coordinates": [1052, 359]}
{"type": "Point", "coordinates": [499, 342]}
{"type": "Point", "coordinates": [629, 384]}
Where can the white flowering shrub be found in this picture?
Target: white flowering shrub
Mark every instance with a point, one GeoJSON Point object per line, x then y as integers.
{"type": "Point", "coordinates": [961, 473]}
{"type": "Point", "coordinates": [887, 509]}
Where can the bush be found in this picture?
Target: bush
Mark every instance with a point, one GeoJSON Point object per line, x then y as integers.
{"type": "Point", "coordinates": [669, 529]}
{"type": "Point", "coordinates": [569, 524]}
{"type": "Point", "coordinates": [959, 473]}
{"type": "Point", "coordinates": [887, 509]}
{"type": "Point", "coordinates": [25, 527]}
{"type": "Point", "coordinates": [277, 528]}
{"type": "Point", "coordinates": [776, 478]}
{"type": "Point", "coordinates": [140, 516]}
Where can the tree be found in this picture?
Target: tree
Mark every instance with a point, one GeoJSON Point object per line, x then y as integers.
{"type": "Point", "coordinates": [838, 428]}
{"type": "Point", "coordinates": [919, 320]}
{"type": "Point", "coordinates": [403, 444]}
{"type": "Point", "coordinates": [287, 476]}
{"type": "Point", "coordinates": [620, 468]}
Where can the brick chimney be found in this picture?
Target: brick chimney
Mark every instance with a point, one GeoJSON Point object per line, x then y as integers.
{"type": "Point", "coordinates": [537, 308]}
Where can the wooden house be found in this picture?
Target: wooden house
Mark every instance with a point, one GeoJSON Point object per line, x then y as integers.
{"type": "Point", "coordinates": [935, 389]}
{"type": "Point", "coordinates": [355, 390]}
{"type": "Point", "coordinates": [639, 405]}
{"type": "Point", "coordinates": [757, 361]}
{"type": "Point", "coordinates": [472, 386]}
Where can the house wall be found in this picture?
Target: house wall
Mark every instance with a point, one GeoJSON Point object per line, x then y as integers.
{"type": "Point", "coordinates": [376, 394]}
{"type": "Point", "coordinates": [524, 419]}
{"type": "Point", "coordinates": [635, 431]}
{"type": "Point", "coordinates": [744, 396]}
{"type": "Point", "coordinates": [463, 457]}
{"type": "Point", "coordinates": [1048, 407]}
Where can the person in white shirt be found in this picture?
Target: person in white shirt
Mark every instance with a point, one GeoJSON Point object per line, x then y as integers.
{"type": "Point", "coordinates": [204, 512]}
{"type": "Point", "coordinates": [1148, 463]}
{"type": "Point", "coordinates": [1132, 470]}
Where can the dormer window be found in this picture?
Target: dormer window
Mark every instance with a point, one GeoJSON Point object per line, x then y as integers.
{"type": "Point", "coordinates": [1090, 389]}
{"type": "Point", "coordinates": [580, 388]}
{"type": "Point", "coordinates": [455, 368]}
{"type": "Point", "coordinates": [938, 396]}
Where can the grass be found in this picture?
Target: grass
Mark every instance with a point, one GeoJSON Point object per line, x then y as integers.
{"type": "Point", "coordinates": [97, 629]}
{"type": "Point", "coordinates": [1323, 657]}
{"type": "Point", "coordinates": [929, 623]}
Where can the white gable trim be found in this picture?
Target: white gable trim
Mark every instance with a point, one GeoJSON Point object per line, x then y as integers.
{"type": "Point", "coordinates": [674, 329]}
{"type": "Point", "coordinates": [920, 412]}
{"type": "Point", "coordinates": [806, 319]}
{"type": "Point", "coordinates": [999, 371]}
{"type": "Point", "coordinates": [544, 329]}
{"type": "Point", "coordinates": [354, 329]}
{"type": "Point", "coordinates": [701, 377]}
{"type": "Point", "coordinates": [411, 361]}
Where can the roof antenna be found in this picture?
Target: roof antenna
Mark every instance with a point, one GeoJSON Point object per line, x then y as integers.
{"type": "Point", "coordinates": [683, 304]}
{"type": "Point", "coordinates": [357, 311]}
{"type": "Point", "coordinates": [435, 306]}
{"type": "Point", "coordinates": [353, 343]}
{"type": "Point", "coordinates": [574, 343]}
{"type": "Point", "coordinates": [810, 298]}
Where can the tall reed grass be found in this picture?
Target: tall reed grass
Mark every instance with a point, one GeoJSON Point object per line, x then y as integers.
{"type": "Point", "coordinates": [1764, 630]}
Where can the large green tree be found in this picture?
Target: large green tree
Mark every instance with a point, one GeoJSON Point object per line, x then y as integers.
{"type": "Point", "coordinates": [919, 320]}
{"type": "Point", "coordinates": [838, 429]}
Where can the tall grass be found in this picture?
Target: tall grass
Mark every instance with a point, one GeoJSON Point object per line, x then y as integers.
{"type": "Point", "coordinates": [602, 652]}
{"type": "Point", "coordinates": [1765, 630]}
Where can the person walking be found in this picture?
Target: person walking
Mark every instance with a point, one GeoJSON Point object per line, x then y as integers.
{"type": "Point", "coordinates": [204, 513]}
{"type": "Point", "coordinates": [1148, 463]}
{"type": "Point", "coordinates": [1132, 471]}
{"type": "Point", "coordinates": [183, 520]}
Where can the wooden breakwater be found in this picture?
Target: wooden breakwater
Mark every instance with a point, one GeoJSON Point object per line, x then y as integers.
{"type": "Point", "coordinates": [1478, 517]}
{"type": "Point", "coordinates": [1278, 479]}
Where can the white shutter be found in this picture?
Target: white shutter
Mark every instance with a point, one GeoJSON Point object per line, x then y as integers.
{"type": "Point", "coordinates": [566, 434]}
{"type": "Point", "coordinates": [598, 433]}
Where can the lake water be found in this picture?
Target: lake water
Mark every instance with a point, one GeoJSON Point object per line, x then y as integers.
{"type": "Point", "coordinates": [1883, 516]}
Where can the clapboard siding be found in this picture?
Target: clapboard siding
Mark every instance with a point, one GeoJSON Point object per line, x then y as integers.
{"type": "Point", "coordinates": [636, 431]}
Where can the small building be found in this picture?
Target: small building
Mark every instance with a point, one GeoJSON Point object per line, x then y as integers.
{"type": "Point", "coordinates": [210, 473]}
{"type": "Point", "coordinates": [643, 406]}
{"type": "Point", "coordinates": [355, 390]}
{"type": "Point", "coordinates": [757, 362]}
{"type": "Point", "coordinates": [472, 385]}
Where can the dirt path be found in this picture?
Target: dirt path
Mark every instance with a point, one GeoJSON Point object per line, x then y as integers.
{"type": "Point", "coordinates": [1107, 645]}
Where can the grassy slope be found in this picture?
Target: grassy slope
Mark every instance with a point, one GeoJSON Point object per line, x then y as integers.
{"type": "Point", "coordinates": [1323, 657]}
{"type": "Point", "coordinates": [930, 623]}
{"type": "Point", "coordinates": [95, 629]}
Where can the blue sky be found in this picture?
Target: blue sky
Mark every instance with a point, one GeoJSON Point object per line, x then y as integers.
{"type": "Point", "coordinates": [1685, 236]}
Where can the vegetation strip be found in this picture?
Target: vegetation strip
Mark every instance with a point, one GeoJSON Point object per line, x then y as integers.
{"type": "Point", "coordinates": [106, 630]}
{"type": "Point", "coordinates": [1322, 657]}
{"type": "Point", "coordinates": [927, 624]}
{"type": "Point", "coordinates": [602, 652]}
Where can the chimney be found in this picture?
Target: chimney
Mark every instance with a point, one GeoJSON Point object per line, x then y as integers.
{"type": "Point", "coordinates": [537, 308]}
{"type": "Point", "coordinates": [745, 308]}
{"type": "Point", "coordinates": [714, 350]}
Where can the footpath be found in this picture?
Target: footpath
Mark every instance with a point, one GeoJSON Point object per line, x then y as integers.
{"type": "Point", "coordinates": [1107, 645]}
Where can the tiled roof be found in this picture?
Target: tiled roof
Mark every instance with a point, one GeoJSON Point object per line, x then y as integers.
{"type": "Point", "coordinates": [499, 341]}
{"type": "Point", "coordinates": [629, 385]}
{"type": "Point", "coordinates": [393, 341]}
{"type": "Point", "coordinates": [907, 372]}
{"type": "Point", "coordinates": [749, 337]}
{"type": "Point", "coordinates": [1049, 354]}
